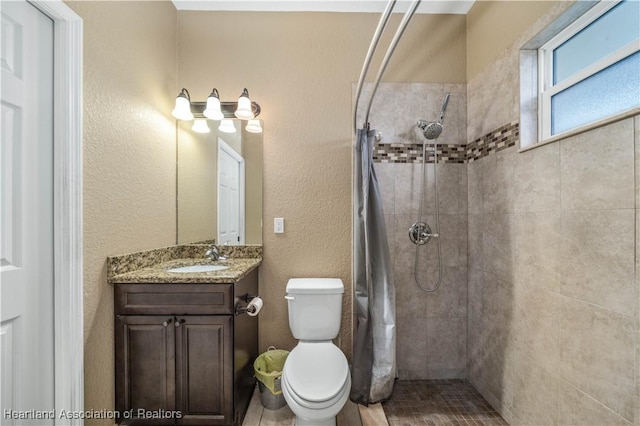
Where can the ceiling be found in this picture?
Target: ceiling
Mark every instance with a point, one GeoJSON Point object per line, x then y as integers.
{"type": "Point", "coordinates": [373, 6]}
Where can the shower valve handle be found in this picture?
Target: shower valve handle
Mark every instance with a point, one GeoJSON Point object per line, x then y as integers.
{"type": "Point", "coordinates": [420, 233]}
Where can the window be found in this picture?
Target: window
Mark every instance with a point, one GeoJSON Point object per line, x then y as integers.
{"type": "Point", "coordinates": [591, 69]}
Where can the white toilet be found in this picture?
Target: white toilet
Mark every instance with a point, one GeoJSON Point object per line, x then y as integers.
{"type": "Point", "coordinates": [315, 378]}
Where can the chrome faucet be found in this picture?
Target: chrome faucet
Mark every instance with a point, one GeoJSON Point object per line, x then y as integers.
{"type": "Point", "coordinates": [212, 253]}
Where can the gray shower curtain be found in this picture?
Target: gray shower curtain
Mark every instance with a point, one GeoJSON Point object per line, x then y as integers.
{"type": "Point", "coordinates": [374, 347]}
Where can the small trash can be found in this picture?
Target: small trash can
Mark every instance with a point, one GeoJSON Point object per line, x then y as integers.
{"type": "Point", "coordinates": [268, 370]}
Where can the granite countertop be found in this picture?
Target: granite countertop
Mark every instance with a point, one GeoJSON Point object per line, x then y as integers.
{"type": "Point", "coordinates": [158, 274]}
{"type": "Point", "coordinates": [150, 267]}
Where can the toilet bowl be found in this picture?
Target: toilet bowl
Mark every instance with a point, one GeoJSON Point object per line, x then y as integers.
{"type": "Point", "coordinates": [316, 382]}
{"type": "Point", "coordinates": [315, 379]}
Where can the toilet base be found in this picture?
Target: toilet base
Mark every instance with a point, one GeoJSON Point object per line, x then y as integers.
{"type": "Point", "coordinates": [328, 422]}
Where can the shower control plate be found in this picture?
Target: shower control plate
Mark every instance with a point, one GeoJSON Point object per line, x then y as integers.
{"type": "Point", "coordinates": [420, 233]}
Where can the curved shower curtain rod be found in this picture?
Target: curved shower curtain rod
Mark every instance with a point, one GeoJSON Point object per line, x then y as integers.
{"type": "Point", "coordinates": [384, 20]}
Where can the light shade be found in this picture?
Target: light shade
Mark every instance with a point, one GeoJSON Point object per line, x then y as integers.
{"type": "Point", "coordinates": [213, 110]}
{"type": "Point", "coordinates": [244, 111]}
{"type": "Point", "coordinates": [200, 126]}
{"type": "Point", "coordinates": [182, 110]}
{"type": "Point", "coordinates": [254, 126]}
{"type": "Point", "coordinates": [226, 126]}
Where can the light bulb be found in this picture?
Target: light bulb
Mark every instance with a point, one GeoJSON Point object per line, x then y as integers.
{"type": "Point", "coordinates": [182, 110]}
{"type": "Point", "coordinates": [200, 126]}
{"type": "Point", "coordinates": [244, 111]}
{"type": "Point", "coordinates": [254, 126]}
{"type": "Point", "coordinates": [213, 110]}
{"type": "Point", "coordinates": [226, 126]}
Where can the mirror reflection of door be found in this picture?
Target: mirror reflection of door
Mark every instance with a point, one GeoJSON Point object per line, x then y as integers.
{"type": "Point", "coordinates": [230, 195]}
{"type": "Point", "coordinates": [197, 183]}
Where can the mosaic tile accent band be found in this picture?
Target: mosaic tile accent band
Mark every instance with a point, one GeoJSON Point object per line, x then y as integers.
{"type": "Point", "coordinates": [502, 138]}
{"type": "Point", "coordinates": [412, 153]}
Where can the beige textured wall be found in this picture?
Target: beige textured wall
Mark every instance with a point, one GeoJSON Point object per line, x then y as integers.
{"type": "Point", "coordinates": [552, 237]}
{"type": "Point", "coordinates": [300, 68]}
{"type": "Point", "coordinates": [492, 26]}
{"type": "Point", "coordinates": [129, 158]}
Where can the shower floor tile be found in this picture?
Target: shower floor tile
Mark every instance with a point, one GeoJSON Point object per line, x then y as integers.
{"type": "Point", "coordinates": [439, 402]}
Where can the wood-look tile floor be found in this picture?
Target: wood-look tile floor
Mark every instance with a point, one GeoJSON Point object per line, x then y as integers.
{"type": "Point", "coordinates": [257, 415]}
{"type": "Point", "coordinates": [414, 402]}
{"type": "Point", "coordinates": [439, 402]}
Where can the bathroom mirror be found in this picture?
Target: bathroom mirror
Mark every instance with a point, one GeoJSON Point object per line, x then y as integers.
{"type": "Point", "coordinates": [219, 184]}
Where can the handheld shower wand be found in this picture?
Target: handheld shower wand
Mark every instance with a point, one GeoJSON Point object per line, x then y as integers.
{"type": "Point", "coordinates": [420, 233]}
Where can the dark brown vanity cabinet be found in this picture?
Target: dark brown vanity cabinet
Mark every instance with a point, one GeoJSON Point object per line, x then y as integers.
{"type": "Point", "coordinates": [182, 356]}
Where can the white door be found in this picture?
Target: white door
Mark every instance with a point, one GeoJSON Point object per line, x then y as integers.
{"type": "Point", "coordinates": [26, 233]}
{"type": "Point", "coordinates": [230, 195]}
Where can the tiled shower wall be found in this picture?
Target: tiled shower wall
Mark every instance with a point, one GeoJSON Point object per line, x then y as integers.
{"type": "Point", "coordinates": [553, 291]}
{"type": "Point", "coordinates": [539, 302]}
{"type": "Point", "coordinates": [431, 327]}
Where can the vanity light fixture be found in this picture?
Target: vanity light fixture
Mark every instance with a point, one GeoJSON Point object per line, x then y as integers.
{"type": "Point", "coordinates": [200, 126]}
{"type": "Point", "coordinates": [226, 126]}
{"type": "Point", "coordinates": [243, 111]}
{"type": "Point", "coordinates": [182, 110]}
{"type": "Point", "coordinates": [213, 108]}
{"type": "Point", "coordinates": [254, 126]}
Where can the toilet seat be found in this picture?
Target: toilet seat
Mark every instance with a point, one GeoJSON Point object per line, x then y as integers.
{"type": "Point", "coordinates": [315, 413]}
{"type": "Point", "coordinates": [321, 405]}
{"type": "Point", "coordinates": [316, 373]}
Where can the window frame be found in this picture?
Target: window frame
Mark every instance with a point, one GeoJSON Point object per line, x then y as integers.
{"type": "Point", "coordinates": [546, 88]}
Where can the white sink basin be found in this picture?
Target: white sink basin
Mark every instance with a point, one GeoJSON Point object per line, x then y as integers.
{"type": "Point", "coordinates": [198, 268]}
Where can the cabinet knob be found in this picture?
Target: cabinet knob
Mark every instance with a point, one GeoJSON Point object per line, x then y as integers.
{"type": "Point", "coordinates": [165, 324]}
{"type": "Point", "coordinates": [177, 323]}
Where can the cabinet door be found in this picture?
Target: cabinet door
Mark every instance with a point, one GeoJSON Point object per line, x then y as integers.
{"type": "Point", "coordinates": [145, 367]}
{"type": "Point", "coordinates": [204, 370]}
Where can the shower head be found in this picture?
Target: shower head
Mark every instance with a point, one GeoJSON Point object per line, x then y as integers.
{"type": "Point", "coordinates": [432, 129]}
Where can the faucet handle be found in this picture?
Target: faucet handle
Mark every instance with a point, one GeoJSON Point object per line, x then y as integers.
{"type": "Point", "coordinates": [212, 253]}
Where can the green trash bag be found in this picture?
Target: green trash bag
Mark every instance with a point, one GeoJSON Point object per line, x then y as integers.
{"type": "Point", "coordinates": [268, 368]}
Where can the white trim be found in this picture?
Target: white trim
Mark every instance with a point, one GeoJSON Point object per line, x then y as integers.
{"type": "Point", "coordinates": [594, 68]}
{"type": "Point", "coordinates": [67, 166]}
{"type": "Point", "coordinates": [591, 15]}
{"type": "Point", "coordinates": [460, 7]}
{"type": "Point", "coordinates": [632, 112]}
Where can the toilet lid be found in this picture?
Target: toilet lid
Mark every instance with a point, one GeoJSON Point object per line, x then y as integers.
{"type": "Point", "coordinates": [316, 371]}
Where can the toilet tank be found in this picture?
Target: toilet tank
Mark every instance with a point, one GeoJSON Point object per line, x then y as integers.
{"type": "Point", "coordinates": [315, 307]}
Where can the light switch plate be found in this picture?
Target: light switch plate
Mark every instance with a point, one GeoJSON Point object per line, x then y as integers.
{"type": "Point", "coordinates": [278, 225]}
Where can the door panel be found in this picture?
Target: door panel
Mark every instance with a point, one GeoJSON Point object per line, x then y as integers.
{"type": "Point", "coordinates": [26, 233]}
{"type": "Point", "coordinates": [204, 369]}
{"type": "Point", "coordinates": [145, 364]}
